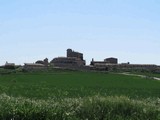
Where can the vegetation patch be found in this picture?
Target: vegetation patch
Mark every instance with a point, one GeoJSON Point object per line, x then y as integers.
{"type": "Point", "coordinates": [75, 95]}
{"type": "Point", "coordinates": [88, 108]}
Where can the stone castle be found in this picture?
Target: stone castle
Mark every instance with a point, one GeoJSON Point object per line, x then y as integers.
{"type": "Point", "coordinates": [74, 60]}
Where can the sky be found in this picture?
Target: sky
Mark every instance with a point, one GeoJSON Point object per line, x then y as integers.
{"type": "Point", "coordinates": [32, 30]}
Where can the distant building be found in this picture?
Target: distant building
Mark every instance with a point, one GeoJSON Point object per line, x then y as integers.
{"type": "Point", "coordinates": [73, 59]}
{"type": "Point", "coordinates": [136, 66]}
{"type": "Point", "coordinates": [111, 60]}
{"type": "Point", "coordinates": [44, 62]}
{"type": "Point", "coordinates": [33, 66]}
{"type": "Point", "coordinates": [67, 61]}
{"type": "Point", "coordinates": [39, 62]}
{"type": "Point", "coordinates": [105, 62]}
{"type": "Point", "coordinates": [9, 65]}
{"type": "Point", "coordinates": [71, 53]}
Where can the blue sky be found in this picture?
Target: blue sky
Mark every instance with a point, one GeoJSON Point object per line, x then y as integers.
{"type": "Point", "coordinates": [35, 29]}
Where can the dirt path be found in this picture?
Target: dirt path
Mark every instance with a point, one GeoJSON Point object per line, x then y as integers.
{"type": "Point", "coordinates": [142, 76]}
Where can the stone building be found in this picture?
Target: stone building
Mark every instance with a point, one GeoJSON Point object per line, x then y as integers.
{"type": "Point", "coordinates": [67, 62]}
{"type": "Point", "coordinates": [44, 62]}
{"type": "Point", "coordinates": [148, 67]}
{"type": "Point", "coordinates": [71, 53]}
{"type": "Point", "coordinates": [73, 59]}
{"type": "Point", "coordinates": [33, 66]}
{"type": "Point", "coordinates": [111, 60]}
{"type": "Point", "coordinates": [9, 65]}
{"type": "Point", "coordinates": [123, 67]}
{"type": "Point", "coordinates": [105, 62]}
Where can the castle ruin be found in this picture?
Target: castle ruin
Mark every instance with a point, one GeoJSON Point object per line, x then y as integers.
{"type": "Point", "coordinates": [73, 59]}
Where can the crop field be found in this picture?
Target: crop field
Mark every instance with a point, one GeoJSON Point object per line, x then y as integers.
{"type": "Point", "coordinates": [78, 96]}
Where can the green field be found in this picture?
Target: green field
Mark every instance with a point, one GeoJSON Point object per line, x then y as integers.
{"type": "Point", "coordinates": [92, 94]}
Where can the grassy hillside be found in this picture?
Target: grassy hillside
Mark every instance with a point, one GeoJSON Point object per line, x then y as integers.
{"type": "Point", "coordinates": [78, 95]}
{"type": "Point", "coordinates": [77, 84]}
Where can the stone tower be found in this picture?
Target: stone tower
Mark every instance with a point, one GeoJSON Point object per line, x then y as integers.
{"type": "Point", "coordinates": [69, 52]}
